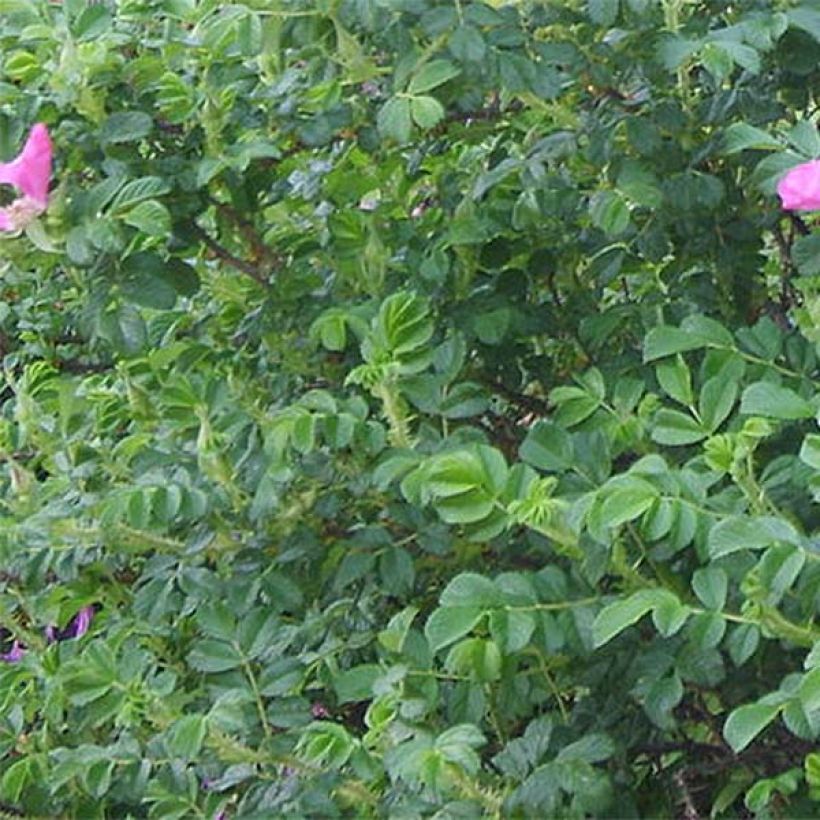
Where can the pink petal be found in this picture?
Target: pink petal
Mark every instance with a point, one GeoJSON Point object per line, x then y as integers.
{"type": "Point", "coordinates": [799, 189]}
{"type": "Point", "coordinates": [14, 654]}
{"type": "Point", "coordinates": [82, 622]}
{"type": "Point", "coordinates": [5, 221]}
{"type": "Point", "coordinates": [30, 171]}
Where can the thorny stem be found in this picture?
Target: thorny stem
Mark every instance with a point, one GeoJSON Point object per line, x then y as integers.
{"type": "Point", "coordinates": [261, 252]}
{"type": "Point", "coordinates": [248, 268]}
{"type": "Point", "coordinates": [394, 413]}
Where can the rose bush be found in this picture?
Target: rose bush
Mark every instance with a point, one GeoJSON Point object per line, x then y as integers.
{"type": "Point", "coordinates": [409, 408]}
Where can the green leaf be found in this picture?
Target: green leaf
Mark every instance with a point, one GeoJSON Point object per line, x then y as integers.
{"type": "Point", "coordinates": [15, 778]}
{"type": "Point", "coordinates": [663, 696]}
{"type": "Point", "coordinates": [717, 60]}
{"type": "Point", "coordinates": [665, 341]}
{"type": "Point", "coordinates": [185, 737]}
{"type": "Point", "coordinates": [137, 190]}
{"type": "Point", "coordinates": [216, 620]}
{"type": "Point", "coordinates": [464, 400]}
{"type": "Point", "coordinates": [394, 120]}
{"type": "Point", "coordinates": [325, 745]}
{"type": "Point", "coordinates": [214, 656]}
{"type": "Point", "coordinates": [640, 185]}
{"type": "Point", "coordinates": [737, 533]}
{"type": "Point", "coordinates": [447, 624]}
{"type": "Point", "coordinates": [746, 723]}
{"type": "Point", "coordinates": [181, 276]}
{"type": "Point", "coordinates": [717, 398]}
{"type": "Point", "coordinates": [176, 98]}
{"type": "Point", "coordinates": [806, 18]}
{"type": "Point", "coordinates": [603, 12]}
{"type": "Point", "coordinates": [742, 643]}
{"type": "Point", "coordinates": [594, 747]}
{"type": "Point", "coordinates": [676, 429]}
{"type": "Point", "coordinates": [740, 136]}
{"type": "Point", "coordinates": [669, 616]}
{"type": "Point", "coordinates": [511, 629]}
{"type": "Point", "coordinates": [805, 254]}
{"type": "Point", "coordinates": [470, 590]}
{"type": "Point", "coordinates": [126, 126]}
{"type": "Point", "coordinates": [774, 401]}
{"type": "Point", "coordinates": [675, 379]}
{"type": "Point", "coordinates": [144, 283]}
{"type": "Point", "coordinates": [151, 217]}
{"type": "Point", "coordinates": [805, 138]}
{"type": "Point", "coordinates": [431, 75]}
{"type": "Point", "coordinates": [427, 112]}
{"type": "Point", "coordinates": [467, 45]}
{"type": "Point", "coordinates": [547, 447]}
{"type": "Point", "coordinates": [457, 744]}
{"type": "Point", "coordinates": [810, 451]}
{"type": "Point", "coordinates": [710, 585]}
{"type": "Point", "coordinates": [617, 616]}
{"type": "Point", "coordinates": [626, 503]}
{"type": "Point", "coordinates": [809, 691]}
{"type": "Point", "coordinates": [356, 684]}
{"type": "Point", "coordinates": [395, 634]}
{"type": "Point", "coordinates": [468, 507]}
{"type": "Point", "coordinates": [706, 630]}
{"type": "Point", "coordinates": [93, 21]}
{"type": "Point", "coordinates": [477, 658]}
{"type": "Point", "coordinates": [609, 212]}
{"type": "Point", "coordinates": [464, 484]}
{"type": "Point", "coordinates": [403, 325]}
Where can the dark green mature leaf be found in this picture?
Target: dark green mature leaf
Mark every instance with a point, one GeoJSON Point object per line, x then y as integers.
{"type": "Point", "coordinates": [144, 281]}
{"type": "Point", "coordinates": [775, 401]}
{"type": "Point", "coordinates": [185, 737]}
{"type": "Point", "coordinates": [214, 656]}
{"type": "Point", "coordinates": [710, 585]}
{"type": "Point", "coordinates": [734, 534]}
{"type": "Point", "coordinates": [356, 684]}
{"type": "Point", "coordinates": [746, 722]}
{"type": "Point", "coordinates": [548, 447]}
{"type": "Point", "coordinates": [627, 502]}
{"type": "Point", "coordinates": [427, 112]}
{"type": "Point", "coordinates": [603, 12]}
{"type": "Point", "coordinates": [447, 624]}
{"type": "Point", "coordinates": [675, 379]}
{"type": "Point", "coordinates": [806, 254]}
{"type": "Point", "coordinates": [431, 75]}
{"type": "Point", "coordinates": [676, 429]}
{"type": "Point", "coordinates": [394, 119]}
{"type": "Point", "coordinates": [740, 136]}
{"type": "Point", "coordinates": [664, 341]}
{"type": "Point", "coordinates": [717, 398]}
{"type": "Point", "coordinates": [136, 191]}
{"type": "Point", "coordinates": [617, 616]}
{"type": "Point", "coordinates": [368, 473]}
{"type": "Point", "coordinates": [126, 126]}
{"type": "Point", "coordinates": [609, 212]}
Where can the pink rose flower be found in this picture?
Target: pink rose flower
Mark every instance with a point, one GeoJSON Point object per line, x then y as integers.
{"type": "Point", "coordinates": [799, 189]}
{"type": "Point", "coordinates": [29, 173]}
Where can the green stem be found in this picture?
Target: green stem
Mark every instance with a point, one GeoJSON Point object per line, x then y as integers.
{"type": "Point", "coordinates": [260, 706]}
{"type": "Point", "coordinates": [394, 413]}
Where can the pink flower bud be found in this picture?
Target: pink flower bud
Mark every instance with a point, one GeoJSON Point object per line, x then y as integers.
{"type": "Point", "coordinates": [14, 654]}
{"type": "Point", "coordinates": [29, 173]}
{"type": "Point", "coordinates": [799, 189]}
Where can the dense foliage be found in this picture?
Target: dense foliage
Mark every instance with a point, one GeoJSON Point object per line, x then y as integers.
{"type": "Point", "coordinates": [409, 409]}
